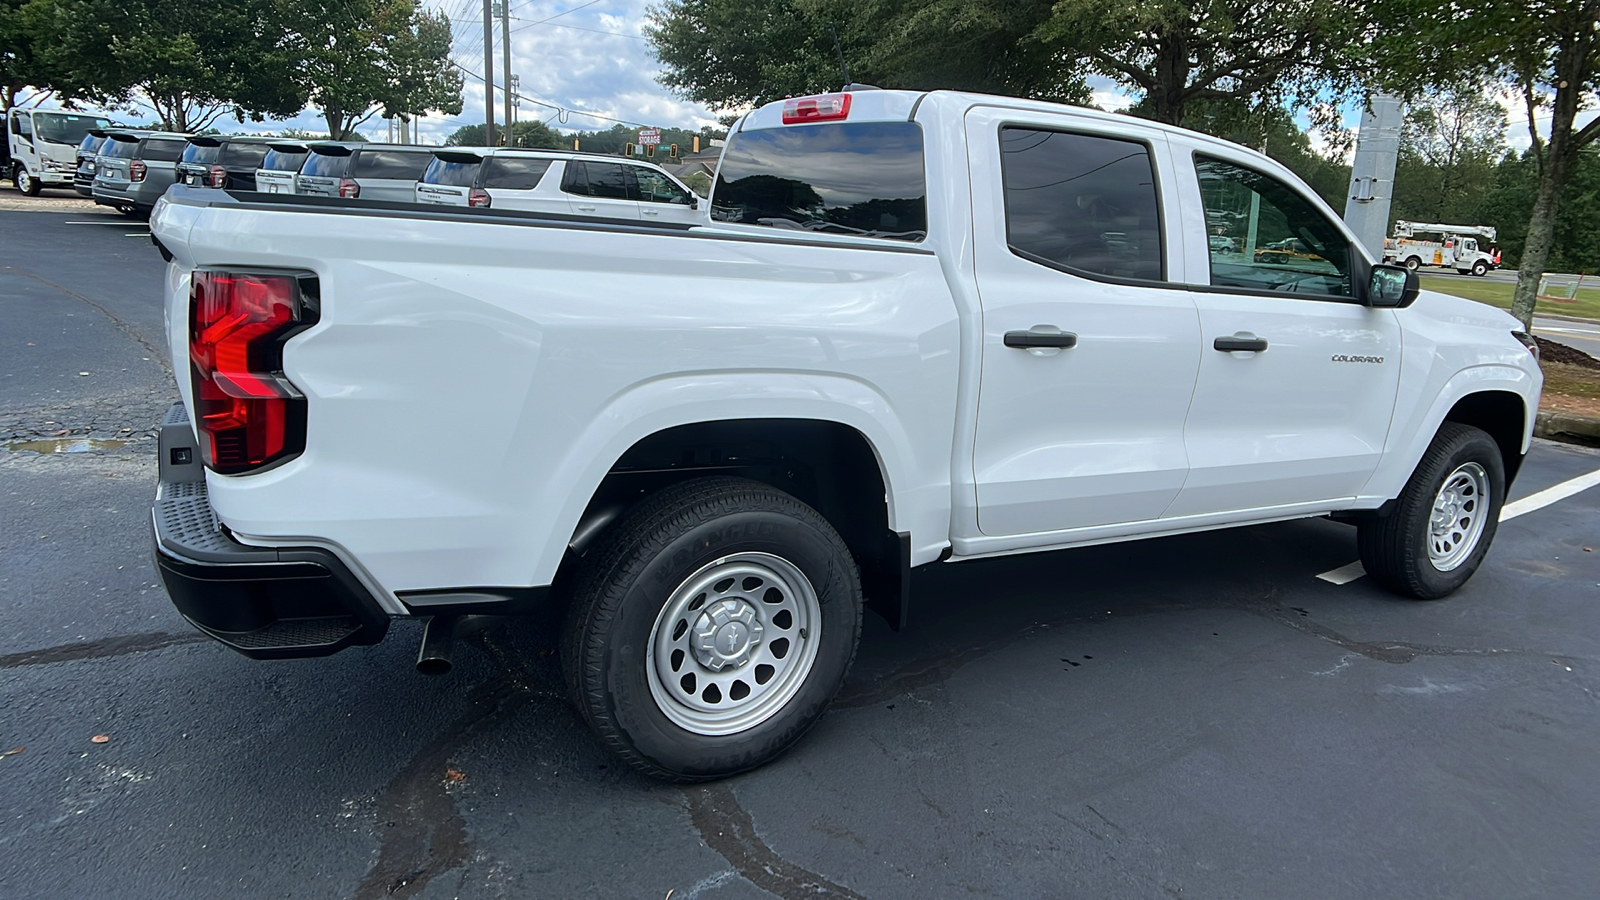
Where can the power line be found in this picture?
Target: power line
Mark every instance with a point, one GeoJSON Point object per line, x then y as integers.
{"type": "Point", "coordinates": [557, 15]}
{"type": "Point", "coordinates": [555, 106]}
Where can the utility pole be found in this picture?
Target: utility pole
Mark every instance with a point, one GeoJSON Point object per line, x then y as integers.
{"type": "Point", "coordinates": [505, 50]}
{"type": "Point", "coordinates": [1372, 175]}
{"type": "Point", "coordinates": [516, 84]}
{"type": "Point", "coordinates": [488, 75]}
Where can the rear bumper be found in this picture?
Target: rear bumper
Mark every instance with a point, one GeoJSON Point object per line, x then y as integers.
{"type": "Point", "coordinates": [264, 602]}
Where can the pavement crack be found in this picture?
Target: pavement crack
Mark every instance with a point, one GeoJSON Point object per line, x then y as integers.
{"type": "Point", "coordinates": [101, 649]}
{"type": "Point", "coordinates": [157, 354]}
{"type": "Point", "coordinates": [421, 832]}
{"type": "Point", "coordinates": [727, 828]}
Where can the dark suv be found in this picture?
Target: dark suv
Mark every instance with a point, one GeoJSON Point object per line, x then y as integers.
{"type": "Point", "coordinates": [221, 161]}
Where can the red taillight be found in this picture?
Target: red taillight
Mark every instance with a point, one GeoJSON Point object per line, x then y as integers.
{"type": "Point", "coordinates": [137, 170]}
{"type": "Point", "coordinates": [219, 176]}
{"type": "Point", "coordinates": [823, 108]}
{"type": "Point", "coordinates": [348, 189]}
{"type": "Point", "coordinates": [479, 197]}
{"type": "Point", "coordinates": [247, 413]}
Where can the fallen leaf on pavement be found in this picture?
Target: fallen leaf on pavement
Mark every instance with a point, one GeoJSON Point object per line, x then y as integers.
{"type": "Point", "coordinates": [100, 739]}
{"type": "Point", "coordinates": [12, 752]}
{"type": "Point", "coordinates": [454, 775]}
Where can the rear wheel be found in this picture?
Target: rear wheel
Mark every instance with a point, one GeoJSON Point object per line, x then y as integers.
{"type": "Point", "coordinates": [1413, 263]}
{"type": "Point", "coordinates": [710, 628]}
{"type": "Point", "coordinates": [1443, 521]}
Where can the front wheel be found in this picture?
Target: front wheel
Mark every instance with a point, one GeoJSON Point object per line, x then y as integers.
{"type": "Point", "coordinates": [710, 628]}
{"type": "Point", "coordinates": [1480, 268]}
{"type": "Point", "coordinates": [1444, 519]}
{"type": "Point", "coordinates": [25, 181]}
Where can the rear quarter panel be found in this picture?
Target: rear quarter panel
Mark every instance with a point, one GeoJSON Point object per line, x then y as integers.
{"type": "Point", "coordinates": [470, 384]}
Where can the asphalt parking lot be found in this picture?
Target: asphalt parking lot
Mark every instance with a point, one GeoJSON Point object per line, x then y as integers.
{"type": "Point", "coordinates": [1198, 716]}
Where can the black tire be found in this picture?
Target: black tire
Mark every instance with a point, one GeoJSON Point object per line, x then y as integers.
{"type": "Point", "coordinates": [1413, 263]}
{"type": "Point", "coordinates": [1395, 548]}
{"type": "Point", "coordinates": [1480, 268]}
{"type": "Point", "coordinates": [636, 569]}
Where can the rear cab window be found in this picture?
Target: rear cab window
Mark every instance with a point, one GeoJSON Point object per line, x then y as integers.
{"type": "Point", "coordinates": [399, 165]}
{"type": "Point", "coordinates": [456, 172]}
{"type": "Point", "coordinates": [857, 178]}
{"type": "Point", "coordinates": [514, 173]}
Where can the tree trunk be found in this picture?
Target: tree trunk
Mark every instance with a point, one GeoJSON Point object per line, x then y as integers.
{"type": "Point", "coordinates": [1168, 98]}
{"type": "Point", "coordinates": [1560, 157]}
{"type": "Point", "coordinates": [335, 120]}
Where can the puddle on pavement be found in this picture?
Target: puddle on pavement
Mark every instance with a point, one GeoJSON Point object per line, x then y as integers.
{"type": "Point", "coordinates": [65, 445]}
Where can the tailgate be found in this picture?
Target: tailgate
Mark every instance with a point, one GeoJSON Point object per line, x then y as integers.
{"type": "Point", "coordinates": [442, 194]}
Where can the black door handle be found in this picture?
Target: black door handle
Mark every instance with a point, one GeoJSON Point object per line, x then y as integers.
{"type": "Point", "coordinates": [1240, 343]}
{"type": "Point", "coordinates": [1026, 340]}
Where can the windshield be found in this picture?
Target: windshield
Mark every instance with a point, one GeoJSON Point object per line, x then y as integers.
{"type": "Point", "coordinates": [861, 178]}
{"type": "Point", "coordinates": [66, 128]}
{"type": "Point", "coordinates": [204, 154]}
{"type": "Point", "coordinates": [283, 160]}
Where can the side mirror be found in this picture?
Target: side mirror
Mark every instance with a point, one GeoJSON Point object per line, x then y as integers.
{"type": "Point", "coordinates": [694, 202]}
{"type": "Point", "coordinates": [1392, 287]}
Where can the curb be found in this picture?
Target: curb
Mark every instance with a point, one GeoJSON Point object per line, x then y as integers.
{"type": "Point", "coordinates": [1565, 427]}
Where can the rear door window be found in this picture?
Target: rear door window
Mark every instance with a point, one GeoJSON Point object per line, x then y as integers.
{"type": "Point", "coordinates": [597, 179]}
{"type": "Point", "coordinates": [452, 172]}
{"type": "Point", "coordinates": [283, 160]}
{"type": "Point", "coordinates": [1083, 203]}
{"type": "Point", "coordinates": [400, 165]}
{"type": "Point", "coordinates": [511, 173]}
{"type": "Point", "coordinates": [329, 165]}
{"type": "Point", "coordinates": [243, 156]}
{"type": "Point", "coordinates": [162, 150]}
{"type": "Point", "coordinates": [861, 178]}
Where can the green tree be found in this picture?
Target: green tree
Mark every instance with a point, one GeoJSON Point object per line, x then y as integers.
{"type": "Point", "coordinates": [1177, 52]}
{"type": "Point", "coordinates": [192, 63]}
{"type": "Point", "coordinates": [733, 53]}
{"type": "Point", "coordinates": [529, 135]}
{"type": "Point", "coordinates": [1547, 50]}
{"type": "Point", "coordinates": [19, 67]}
{"type": "Point", "coordinates": [1575, 246]}
{"type": "Point", "coordinates": [1449, 150]}
{"type": "Point", "coordinates": [728, 53]}
{"type": "Point", "coordinates": [354, 58]}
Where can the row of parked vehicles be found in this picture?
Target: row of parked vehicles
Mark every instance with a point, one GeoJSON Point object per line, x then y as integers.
{"type": "Point", "coordinates": [130, 169]}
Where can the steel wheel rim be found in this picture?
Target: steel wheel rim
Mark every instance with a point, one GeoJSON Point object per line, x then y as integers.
{"type": "Point", "coordinates": [1460, 511]}
{"type": "Point", "coordinates": [24, 180]}
{"type": "Point", "coordinates": [733, 643]}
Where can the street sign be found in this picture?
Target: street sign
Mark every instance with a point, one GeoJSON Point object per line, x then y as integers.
{"type": "Point", "coordinates": [649, 136]}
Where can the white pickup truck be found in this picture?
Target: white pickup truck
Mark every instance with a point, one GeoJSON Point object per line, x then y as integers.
{"type": "Point", "coordinates": [920, 328]}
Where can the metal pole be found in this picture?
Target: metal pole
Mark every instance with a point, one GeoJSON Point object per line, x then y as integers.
{"type": "Point", "coordinates": [488, 75]}
{"type": "Point", "coordinates": [505, 50]}
{"type": "Point", "coordinates": [1372, 175]}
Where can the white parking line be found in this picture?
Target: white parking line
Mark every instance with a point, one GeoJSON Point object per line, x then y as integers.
{"type": "Point", "coordinates": [1535, 501]}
